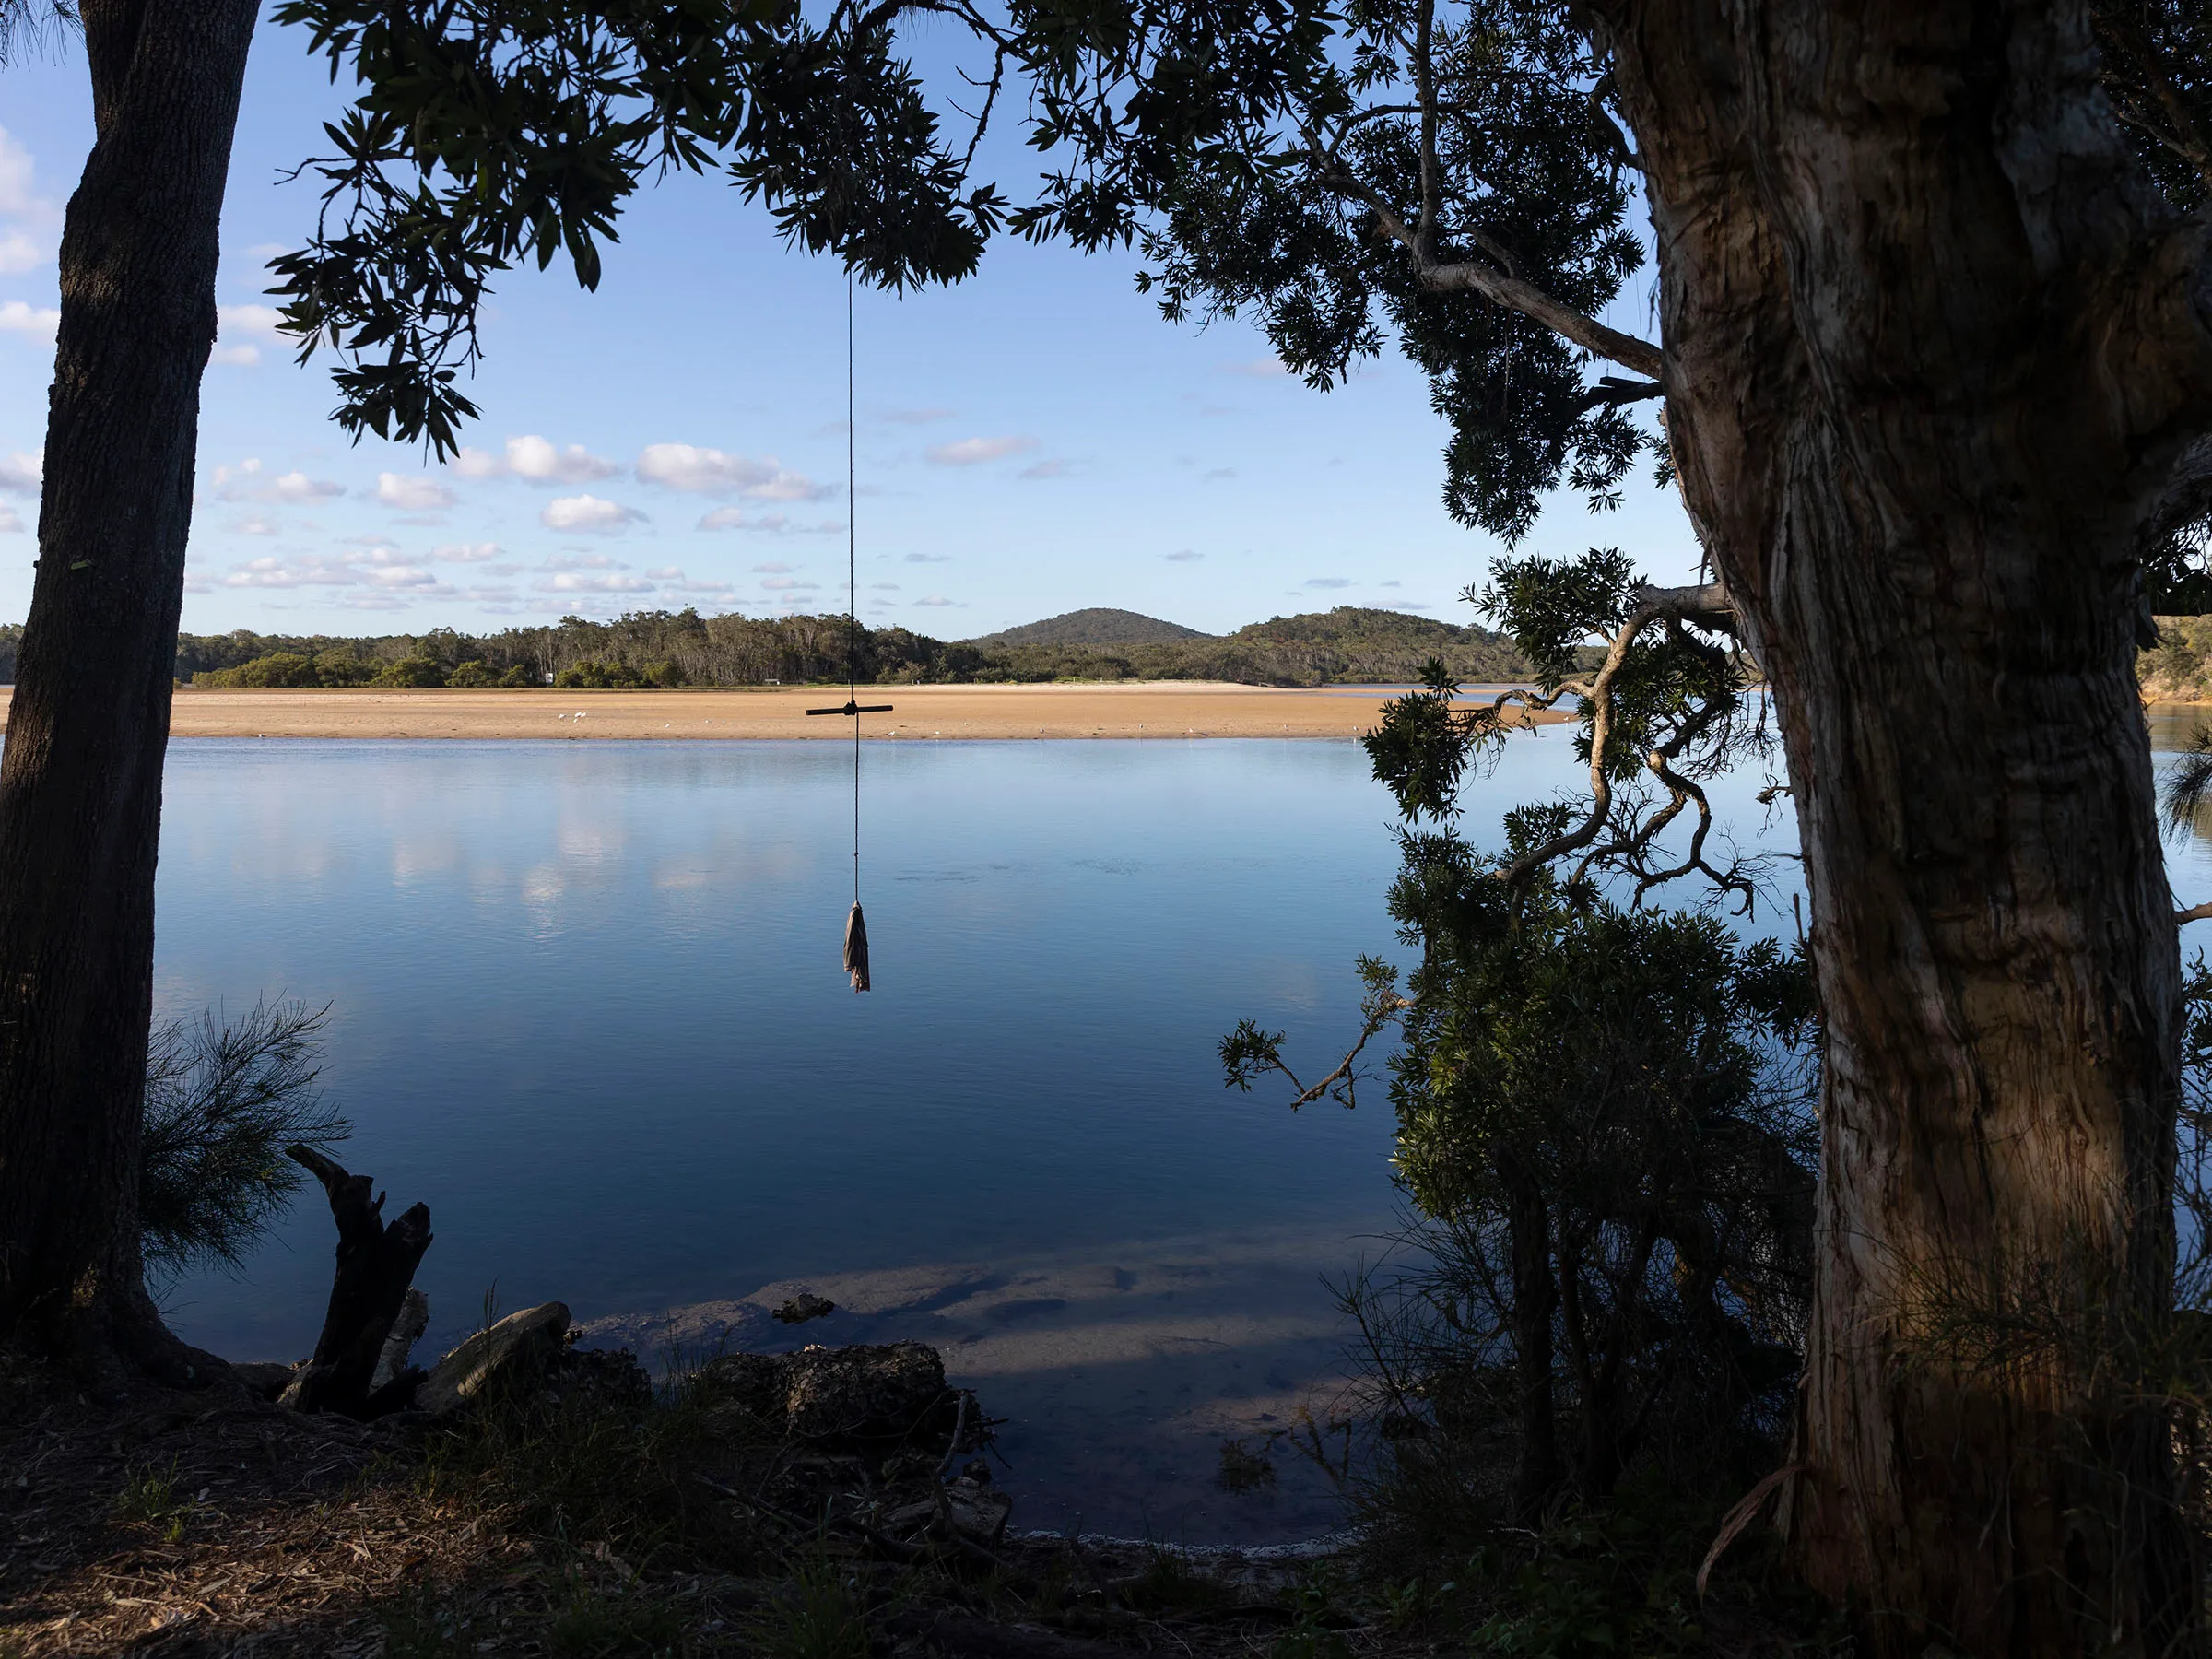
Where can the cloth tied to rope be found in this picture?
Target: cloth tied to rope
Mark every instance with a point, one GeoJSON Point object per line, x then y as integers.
{"type": "Point", "coordinates": [856, 948]}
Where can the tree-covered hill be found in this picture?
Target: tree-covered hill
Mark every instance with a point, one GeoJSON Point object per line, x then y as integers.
{"type": "Point", "coordinates": [1097, 626]}
{"type": "Point", "coordinates": [1347, 645]}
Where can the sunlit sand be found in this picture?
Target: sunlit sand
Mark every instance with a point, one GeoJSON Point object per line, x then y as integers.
{"type": "Point", "coordinates": [923, 713]}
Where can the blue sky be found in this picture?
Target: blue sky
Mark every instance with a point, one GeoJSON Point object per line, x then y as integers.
{"type": "Point", "coordinates": [1030, 441]}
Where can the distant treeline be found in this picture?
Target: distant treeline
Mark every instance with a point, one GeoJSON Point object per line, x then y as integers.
{"type": "Point", "coordinates": [683, 648]}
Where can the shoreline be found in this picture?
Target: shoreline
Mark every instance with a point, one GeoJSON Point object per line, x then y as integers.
{"type": "Point", "coordinates": [1143, 709]}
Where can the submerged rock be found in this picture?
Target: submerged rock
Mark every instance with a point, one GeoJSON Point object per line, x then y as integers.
{"type": "Point", "coordinates": [514, 1353]}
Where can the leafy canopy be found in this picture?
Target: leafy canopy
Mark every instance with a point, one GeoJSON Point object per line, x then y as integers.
{"type": "Point", "coordinates": [487, 133]}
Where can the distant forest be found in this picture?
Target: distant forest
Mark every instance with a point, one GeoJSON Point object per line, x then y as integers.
{"type": "Point", "coordinates": [683, 648]}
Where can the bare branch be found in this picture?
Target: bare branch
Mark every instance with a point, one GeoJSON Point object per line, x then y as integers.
{"type": "Point", "coordinates": [1709, 604]}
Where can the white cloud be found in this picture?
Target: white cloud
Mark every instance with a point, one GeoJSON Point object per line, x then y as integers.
{"type": "Point", "coordinates": [238, 357]}
{"type": "Point", "coordinates": [788, 585]}
{"type": "Point", "coordinates": [535, 459]}
{"type": "Point", "coordinates": [574, 582]}
{"type": "Point", "coordinates": [582, 561]}
{"type": "Point", "coordinates": [929, 559]}
{"type": "Point", "coordinates": [711, 472]}
{"type": "Point", "coordinates": [19, 199]}
{"type": "Point", "coordinates": [1218, 472]}
{"type": "Point", "coordinates": [972, 451]}
{"type": "Point", "coordinates": [1044, 469]}
{"type": "Point", "coordinates": [916, 417]}
{"type": "Point", "coordinates": [22, 471]}
{"type": "Point", "coordinates": [587, 512]}
{"type": "Point", "coordinates": [771, 523]}
{"type": "Point", "coordinates": [883, 587]}
{"type": "Point", "coordinates": [673, 577]}
{"type": "Point", "coordinates": [933, 599]}
{"type": "Point", "coordinates": [39, 324]}
{"type": "Point", "coordinates": [303, 570]}
{"type": "Point", "coordinates": [253, 524]}
{"type": "Point", "coordinates": [413, 495]}
{"type": "Point", "coordinates": [250, 322]}
{"type": "Point", "coordinates": [465, 552]}
{"type": "Point", "coordinates": [11, 522]}
{"type": "Point", "coordinates": [1266, 368]}
{"type": "Point", "coordinates": [773, 569]}
{"type": "Point", "coordinates": [1327, 582]}
{"type": "Point", "coordinates": [22, 245]}
{"type": "Point", "coordinates": [1183, 556]}
{"type": "Point", "coordinates": [245, 483]}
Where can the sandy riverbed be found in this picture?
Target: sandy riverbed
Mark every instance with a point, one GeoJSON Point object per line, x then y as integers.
{"type": "Point", "coordinates": [1157, 709]}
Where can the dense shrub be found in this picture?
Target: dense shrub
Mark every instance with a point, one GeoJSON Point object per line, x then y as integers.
{"type": "Point", "coordinates": [413, 673]}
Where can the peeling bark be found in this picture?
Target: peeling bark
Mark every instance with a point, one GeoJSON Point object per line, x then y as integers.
{"type": "Point", "coordinates": [1931, 352]}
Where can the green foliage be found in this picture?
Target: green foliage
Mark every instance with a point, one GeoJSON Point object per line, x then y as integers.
{"type": "Point", "coordinates": [582, 1467]}
{"type": "Point", "coordinates": [1276, 159]}
{"type": "Point", "coordinates": [424, 1625]}
{"type": "Point", "coordinates": [150, 1498]}
{"type": "Point", "coordinates": [223, 1099]}
{"type": "Point", "coordinates": [599, 676]}
{"type": "Point", "coordinates": [2179, 668]}
{"type": "Point", "coordinates": [415, 672]}
{"type": "Point", "coordinates": [592, 1623]}
{"type": "Point", "coordinates": [482, 136]}
{"type": "Point", "coordinates": [822, 1614]}
{"type": "Point", "coordinates": [682, 648]}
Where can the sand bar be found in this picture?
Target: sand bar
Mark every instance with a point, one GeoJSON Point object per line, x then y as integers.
{"type": "Point", "coordinates": [1150, 709]}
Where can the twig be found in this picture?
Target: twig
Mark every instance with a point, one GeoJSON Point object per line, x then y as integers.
{"type": "Point", "coordinates": [906, 1554]}
{"type": "Point", "coordinates": [959, 1427]}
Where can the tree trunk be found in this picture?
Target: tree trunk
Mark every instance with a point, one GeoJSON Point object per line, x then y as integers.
{"type": "Point", "coordinates": [1930, 345]}
{"type": "Point", "coordinates": [1536, 1472]}
{"type": "Point", "coordinates": [80, 785]}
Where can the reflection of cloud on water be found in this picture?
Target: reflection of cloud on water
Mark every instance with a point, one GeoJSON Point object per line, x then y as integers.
{"type": "Point", "coordinates": [1119, 1373]}
{"type": "Point", "coordinates": [413, 857]}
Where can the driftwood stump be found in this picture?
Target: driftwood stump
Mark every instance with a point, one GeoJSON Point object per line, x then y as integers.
{"type": "Point", "coordinates": [376, 1266]}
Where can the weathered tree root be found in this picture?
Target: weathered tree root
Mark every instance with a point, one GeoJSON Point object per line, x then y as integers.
{"type": "Point", "coordinates": [376, 1266]}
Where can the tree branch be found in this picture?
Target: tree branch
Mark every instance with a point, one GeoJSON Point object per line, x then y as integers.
{"type": "Point", "coordinates": [1709, 604]}
{"type": "Point", "coordinates": [1464, 275]}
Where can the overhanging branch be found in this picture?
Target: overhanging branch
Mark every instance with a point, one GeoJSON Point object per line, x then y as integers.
{"type": "Point", "coordinates": [1467, 276]}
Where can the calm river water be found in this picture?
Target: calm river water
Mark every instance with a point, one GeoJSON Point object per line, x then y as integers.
{"type": "Point", "coordinates": [586, 1004]}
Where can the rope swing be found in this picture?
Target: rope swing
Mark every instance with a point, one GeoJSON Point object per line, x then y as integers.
{"type": "Point", "coordinates": [857, 924]}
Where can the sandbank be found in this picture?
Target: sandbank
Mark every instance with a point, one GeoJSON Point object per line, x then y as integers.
{"type": "Point", "coordinates": [1146, 709]}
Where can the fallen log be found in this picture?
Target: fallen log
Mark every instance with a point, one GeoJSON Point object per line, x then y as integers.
{"type": "Point", "coordinates": [376, 1266]}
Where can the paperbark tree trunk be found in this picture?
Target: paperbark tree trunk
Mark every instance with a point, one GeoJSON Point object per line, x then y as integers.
{"type": "Point", "coordinates": [1931, 349]}
{"type": "Point", "coordinates": [80, 785]}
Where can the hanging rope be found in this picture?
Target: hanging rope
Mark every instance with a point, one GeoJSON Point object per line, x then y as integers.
{"type": "Point", "coordinates": [856, 926]}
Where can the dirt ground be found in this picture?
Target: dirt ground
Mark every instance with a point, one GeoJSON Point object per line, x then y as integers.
{"type": "Point", "coordinates": [1150, 709]}
{"type": "Point", "coordinates": [197, 1525]}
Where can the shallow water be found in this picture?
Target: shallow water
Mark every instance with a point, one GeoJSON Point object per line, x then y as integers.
{"type": "Point", "coordinates": [586, 1005]}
